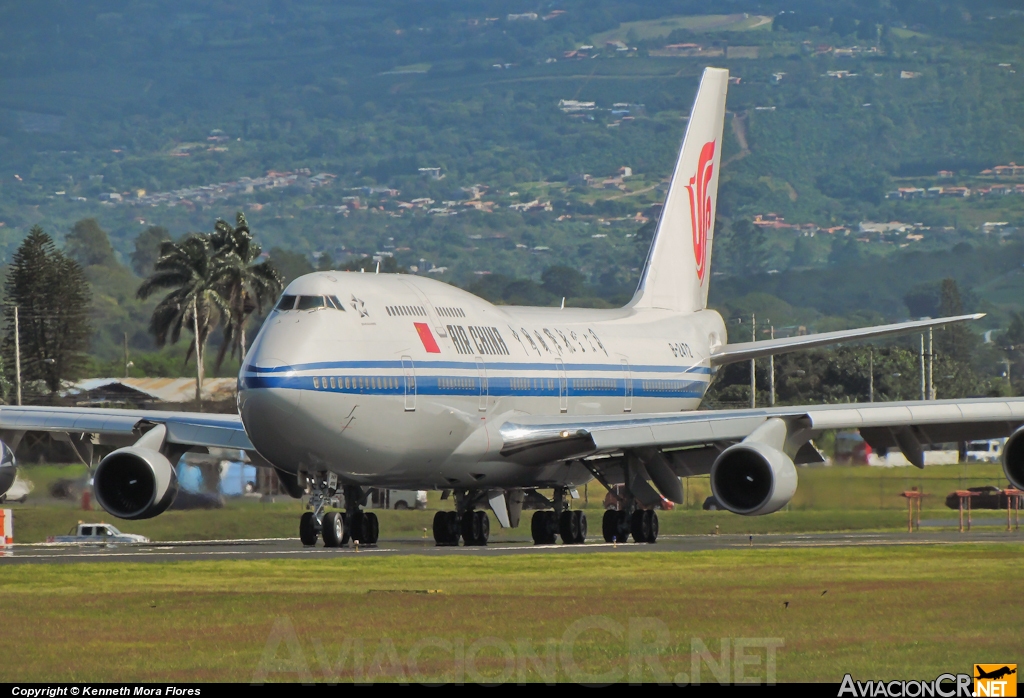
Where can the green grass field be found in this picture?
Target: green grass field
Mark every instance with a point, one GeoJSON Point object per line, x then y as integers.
{"type": "Point", "coordinates": [907, 612]}
{"type": "Point", "coordinates": [654, 28]}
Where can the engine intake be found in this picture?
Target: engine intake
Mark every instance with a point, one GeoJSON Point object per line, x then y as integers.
{"type": "Point", "coordinates": [752, 478]}
{"type": "Point", "coordinates": [1013, 459]}
{"type": "Point", "coordinates": [135, 483]}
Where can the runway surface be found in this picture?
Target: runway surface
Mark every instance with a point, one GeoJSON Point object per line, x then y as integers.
{"type": "Point", "coordinates": [291, 548]}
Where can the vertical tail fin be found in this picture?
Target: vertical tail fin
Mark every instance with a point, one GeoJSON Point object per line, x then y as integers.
{"type": "Point", "coordinates": [679, 263]}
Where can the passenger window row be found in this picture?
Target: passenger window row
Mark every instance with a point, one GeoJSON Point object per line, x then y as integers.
{"type": "Point", "coordinates": [592, 383]}
{"type": "Point", "coordinates": [356, 383]}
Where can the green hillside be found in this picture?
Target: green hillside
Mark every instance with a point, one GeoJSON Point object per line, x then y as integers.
{"type": "Point", "coordinates": [855, 128]}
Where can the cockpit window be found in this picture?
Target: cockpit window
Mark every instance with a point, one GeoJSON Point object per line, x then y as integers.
{"type": "Point", "coordinates": [310, 302]}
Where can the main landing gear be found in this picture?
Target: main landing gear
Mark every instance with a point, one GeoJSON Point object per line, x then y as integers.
{"type": "Point", "coordinates": [473, 526]}
{"type": "Point", "coordinates": [570, 526]}
{"type": "Point", "coordinates": [618, 525]}
{"type": "Point", "coordinates": [337, 528]}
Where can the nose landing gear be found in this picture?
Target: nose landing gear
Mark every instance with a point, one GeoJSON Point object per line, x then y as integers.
{"type": "Point", "coordinates": [337, 529]}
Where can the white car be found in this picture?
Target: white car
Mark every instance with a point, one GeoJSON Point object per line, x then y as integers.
{"type": "Point", "coordinates": [101, 533]}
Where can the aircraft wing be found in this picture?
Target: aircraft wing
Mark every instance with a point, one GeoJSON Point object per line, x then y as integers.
{"type": "Point", "coordinates": [691, 441]}
{"type": "Point", "coordinates": [123, 427]}
{"type": "Point", "coordinates": [745, 351]}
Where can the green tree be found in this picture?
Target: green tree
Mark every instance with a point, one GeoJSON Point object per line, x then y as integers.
{"type": "Point", "coordinates": [290, 265]}
{"type": "Point", "coordinates": [188, 271]}
{"type": "Point", "coordinates": [244, 282]}
{"type": "Point", "coordinates": [147, 249]}
{"type": "Point", "coordinates": [88, 244]}
{"type": "Point", "coordinates": [52, 296]}
{"type": "Point", "coordinates": [954, 341]}
{"type": "Point", "coordinates": [564, 282]}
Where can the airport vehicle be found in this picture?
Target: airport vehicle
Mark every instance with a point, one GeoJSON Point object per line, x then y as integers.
{"type": "Point", "coordinates": [407, 499]}
{"type": "Point", "coordinates": [102, 533]}
{"type": "Point", "coordinates": [987, 497]}
{"type": "Point", "coordinates": [985, 451]}
{"type": "Point", "coordinates": [357, 381]}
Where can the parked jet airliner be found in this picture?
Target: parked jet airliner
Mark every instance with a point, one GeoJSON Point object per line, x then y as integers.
{"type": "Point", "coordinates": [385, 380]}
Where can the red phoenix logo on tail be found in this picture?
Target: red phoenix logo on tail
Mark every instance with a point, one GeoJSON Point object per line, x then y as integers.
{"type": "Point", "coordinates": [701, 206]}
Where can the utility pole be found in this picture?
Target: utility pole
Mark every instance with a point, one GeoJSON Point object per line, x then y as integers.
{"type": "Point", "coordinates": [923, 394]}
{"type": "Point", "coordinates": [753, 362]}
{"type": "Point", "coordinates": [931, 361]}
{"type": "Point", "coordinates": [871, 374]}
{"type": "Point", "coordinates": [126, 356]}
{"type": "Point", "coordinates": [771, 372]}
{"type": "Point", "coordinates": [17, 354]}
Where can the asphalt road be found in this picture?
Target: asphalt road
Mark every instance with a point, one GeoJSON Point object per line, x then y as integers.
{"type": "Point", "coordinates": [290, 548]}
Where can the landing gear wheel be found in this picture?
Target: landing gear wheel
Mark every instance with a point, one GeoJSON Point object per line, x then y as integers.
{"type": "Point", "coordinates": [639, 526]}
{"type": "Point", "coordinates": [568, 527]}
{"type": "Point", "coordinates": [610, 526]}
{"type": "Point", "coordinates": [354, 526]}
{"type": "Point", "coordinates": [441, 528]}
{"type": "Point", "coordinates": [581, 527]}
{"type": "Point", "coordinates": [484, 527]}
{"type": "Point", "coordinates": [371, 529]}
{"type": "Point", "coordinates": [333, 530]}
{"type": "Point", "coordinates": [622, 527]}
{"type": "Point", "coordinates": [307, 529]}
{"type": "Point", "coordinates": [652, 526]}
{"type": "Point", "coordinates": [543, 527]}
{"type": "Point", "coordinates": [476, 528]}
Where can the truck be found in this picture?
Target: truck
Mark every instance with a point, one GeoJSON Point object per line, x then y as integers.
{"type": "Point", "coordinates": [97, 533]}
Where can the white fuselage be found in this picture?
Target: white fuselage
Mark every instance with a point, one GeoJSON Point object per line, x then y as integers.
{"type": "Point", "coordinates": [408, 385]}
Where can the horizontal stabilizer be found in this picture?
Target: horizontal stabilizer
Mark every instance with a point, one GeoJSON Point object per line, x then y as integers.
{"type": "Point", "coordinates": [745, 351]}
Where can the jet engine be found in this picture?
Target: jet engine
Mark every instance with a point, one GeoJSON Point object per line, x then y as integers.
{"type": "Point", "coordinates": [135, 483]}
{"type": "Point", "coordinates": [8, 469]}
{"type": "Point", "coordinates": [753, 478]}
{"type": "Point", "coordinates": [1013, 459]}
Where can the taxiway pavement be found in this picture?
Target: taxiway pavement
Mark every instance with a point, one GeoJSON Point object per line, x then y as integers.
{"type": "Point", "coordinates": [291, 548]}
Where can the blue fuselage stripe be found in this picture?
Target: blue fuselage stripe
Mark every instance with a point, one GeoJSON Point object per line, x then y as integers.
{"type": "Point", "coordinates": [473, 386]}
{"type": "Point", "coordinates": [472, 366]}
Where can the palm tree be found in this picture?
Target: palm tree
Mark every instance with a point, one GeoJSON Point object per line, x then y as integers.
{"type": "Point", "coordinates": [187, 269]}
{"type": "Point", "coordinates": [245, 284]}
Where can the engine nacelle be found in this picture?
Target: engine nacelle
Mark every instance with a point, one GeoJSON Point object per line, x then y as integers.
{"type": "Point", "coordinates": [135, 483]}
{"type": "Point", "coordinates": [8, 469]}
{"type": "Point", "coordinates": [752, 478]}
{"type": "Point", "coordinates": [1013, 459]}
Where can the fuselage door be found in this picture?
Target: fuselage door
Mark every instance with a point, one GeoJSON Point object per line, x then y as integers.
{"type": "Point", "coordinates": [409, 369]}
{"type": "Point", "coordinates": [481, 376]}
{"type": "Point", "coordinates": [563, 387]}
{"type": "Point", "coordinates": [627, 382]}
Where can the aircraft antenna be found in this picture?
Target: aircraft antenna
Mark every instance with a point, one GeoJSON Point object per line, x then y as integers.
{"type": "Point", "coordinates": [563, 303]}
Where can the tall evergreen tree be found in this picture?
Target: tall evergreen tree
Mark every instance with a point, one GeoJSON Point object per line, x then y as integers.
{"type": "Point", "coordinates": [88, 244]}
{"type": "Point", "coordinates": [52, 296]}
